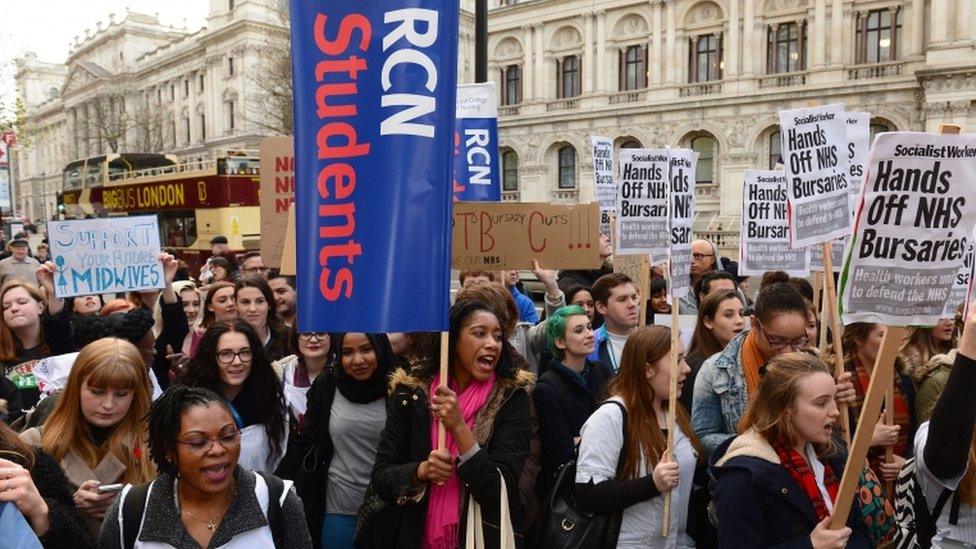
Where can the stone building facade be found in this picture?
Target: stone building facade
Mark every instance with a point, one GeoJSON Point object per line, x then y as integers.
{"type": "Point", "coordinates": [134, 85]}
{"type": "Point", "coordinates": [711, 75]}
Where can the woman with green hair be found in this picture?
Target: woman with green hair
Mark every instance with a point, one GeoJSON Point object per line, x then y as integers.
{"type": "Point", "coordinates": [568, 392]}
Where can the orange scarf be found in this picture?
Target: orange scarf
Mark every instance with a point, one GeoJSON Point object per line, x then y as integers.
{"type": "Point", "coordinates": [752, 360]}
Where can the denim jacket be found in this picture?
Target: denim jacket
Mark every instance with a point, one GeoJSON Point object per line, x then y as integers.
{"type": "Point", "coordinates": [720, 396]}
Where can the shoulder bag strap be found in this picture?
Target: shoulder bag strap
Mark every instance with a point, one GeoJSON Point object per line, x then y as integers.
{"type": "Point", "coordinates": [275, 489]}
{"type": "Point", "coordinates": [132, 510]}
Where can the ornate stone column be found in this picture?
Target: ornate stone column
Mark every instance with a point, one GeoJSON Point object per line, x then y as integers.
{"type": "Point", "coordinates": [655, 61]}
{"type": "Point", "coordinates": [670, 62]}
{"type": "Point", "coordinates": [748, 34]}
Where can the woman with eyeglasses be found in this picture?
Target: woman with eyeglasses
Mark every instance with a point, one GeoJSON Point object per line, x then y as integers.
{"type": "Point", "coordinates": [203, 497]}
{"type": "Point", "coordinates": [231, 362]}
{"type": "Point", "coordinates": [256, 304]}
{"type": "Point", "coordinates": [97, 430]}
{"type": "Point", "coordinates": [728, 380]}
{"type": "Point", "coordinates": [331, 458]}
{"type": "Point", "coordinates": [299, 371]}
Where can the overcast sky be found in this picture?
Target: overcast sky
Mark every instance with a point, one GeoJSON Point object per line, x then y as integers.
{"type": "Point", "coordinates": [48, 27]}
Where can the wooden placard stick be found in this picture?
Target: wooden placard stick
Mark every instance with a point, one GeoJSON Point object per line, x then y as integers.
{"type": "Point", "coordinates": [881, 378]}
{"type": "Point", "coordinates": [890, 420]}
{"type": "Point", "coordinates": [672, 401]}
{"type": "Point", "coordinates": [817, 291]}
{"type": "Point", "coordinates": [834, 323]}
{"type": "Point", "coordinates": [441, 433]}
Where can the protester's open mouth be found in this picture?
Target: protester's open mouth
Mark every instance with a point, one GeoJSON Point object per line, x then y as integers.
{"type": "Point", "coordinates": [486, 362]}
{"type": "Point", "coordinates": [216, 473]}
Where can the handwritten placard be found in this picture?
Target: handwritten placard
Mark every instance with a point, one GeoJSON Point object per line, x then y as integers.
{"type": "Point", "coordinates": [508, 235]}
{"type": "Point", "coordinates": [277, 194]}
{"type": "Point", "coordinates": [105, 255]}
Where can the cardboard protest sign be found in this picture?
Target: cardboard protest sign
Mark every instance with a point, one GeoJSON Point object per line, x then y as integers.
{"type": "Point", "coordinates": [277, 194]}
{"type": "Point", "coordinates": [106, 255]}
{"type": "Point", "coordinates": [508, 235]}
{"type": "Point", "coordinates": [476, 163]}
{"type": "Point", "coordinates": [681, 219]}
{"type": "Point", "coordinates": [914, 226]}
{"type": "Point", "coordinates": [375, 91]}
{"type": "Point", "coordinates": [764, 243]}
{"type": "Point", "coordinates": [287, 266]}
{"type": "Point", "coordinates": [642, 203]}
{"type": "Point", "coordinates": [606, 188]}
{"type": "Point", "coordinates": [814, 145]}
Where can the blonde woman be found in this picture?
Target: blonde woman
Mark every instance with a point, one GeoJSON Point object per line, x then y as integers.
{"type": "Point", "coordinates": [97, 430]}
{"type": "Point", "coordinates": [923, 343]}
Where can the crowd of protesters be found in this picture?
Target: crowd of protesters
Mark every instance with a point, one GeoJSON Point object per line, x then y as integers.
{"type": "Point", "coordinates": [201, 415]}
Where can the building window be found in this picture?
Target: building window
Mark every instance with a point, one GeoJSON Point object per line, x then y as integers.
{"type": "Point", "coordinates": [510, 171]}
{"type": "Point", "coordinates": [507, 2]}
{"type": "Point", "coordinates": [877, 38]}
{"type": "Point", "coordinates": [704, 145]}
{"type": "Point", "coordinates": [172, 92]}
{"type": "Point", "coordinates": [231, 122]}
{"type": "Point", "coordinates": [706, 58]}
{"type": "Point", "coordinates": [230, 66]}
{"type": "Point", "coordinates": [186, 129]}
{"type": "Point", "coordinates": [786, 47]}
{"type": "Point", "coordinates": [631, 144]}
{"type": "Point", "coordinates": [568, 71]}
{"type": "Point", "coordinates": [159, 96]}
{"type": "Point", "coordinates": [203, 127]}
{"type": "Point", "coordinates": [186, 88]}
{"type": "Point", "coordinates": [567, 167]}
{"type": "Point", "coordinates": [200, 79]}
{"type": "Point", "coordinates": [775, 149]}
{"type": "Point", "coordinates": [230, 5]}
{"type": "Point", "coordinates": [879, 127]}
{"type": "Point", "coordinates": [633, 68]}
{"type": "Point", "coordinates": [512, 91]}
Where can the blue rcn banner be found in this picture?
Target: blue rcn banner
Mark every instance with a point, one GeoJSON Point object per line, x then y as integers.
{"type": "Point", "coordinates": [476, 164]}
{"type": "Point", "coordinates": [375, 85]}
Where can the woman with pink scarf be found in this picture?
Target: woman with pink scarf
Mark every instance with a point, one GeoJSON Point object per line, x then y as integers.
{"type": "Point", "coordinates": [485, 409]}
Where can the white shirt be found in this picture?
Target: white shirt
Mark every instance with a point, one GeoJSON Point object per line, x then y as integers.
{"type": "Point", "coordinates": [962, 534]}
{"type": "Point", "coordinates": [615, 344]}
{"type": "Point", "coordinates": [600, 441]}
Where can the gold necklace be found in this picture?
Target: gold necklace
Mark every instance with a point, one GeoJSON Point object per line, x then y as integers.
{"type": "Point", "coordinates": [214, 522]}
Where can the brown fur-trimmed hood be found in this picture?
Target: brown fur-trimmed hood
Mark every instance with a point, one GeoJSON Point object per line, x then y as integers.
{"type": "Point", "coordinates": [412, 379]}
{"type": "Point", "coordinates": [938, 361]}
{"type": "Point", "coordinates": [749, 444]}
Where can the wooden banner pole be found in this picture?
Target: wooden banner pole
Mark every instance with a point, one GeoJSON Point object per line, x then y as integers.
{"type": "Point", "coordinates": [881, 378]}
{"type": "Point", "coordinates": [890, 420]}
{"type": "Point", "coordinates": [441, 433]}
{"type": "Point", "coordinates": [831, 308]}
{"type": "Point", "coordinates": [672, 401]}
{"type": "Point", "coordinates": [817, 292]}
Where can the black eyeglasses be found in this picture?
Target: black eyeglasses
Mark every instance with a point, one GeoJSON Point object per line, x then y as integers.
{"type": "Point", "coordinates": [699, 257]}
{"type": "Point", "coordinates": [777, 343]}
{"type": "Point", "coordinates": [317, 336]}
{"type": "Point", "coordinates": [227, 357]}
{"type": "Point", "coordinates": [202, 445]}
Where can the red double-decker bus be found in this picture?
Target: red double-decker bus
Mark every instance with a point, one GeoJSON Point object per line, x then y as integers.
{"type": "Point", "coordinates": [194, 201]}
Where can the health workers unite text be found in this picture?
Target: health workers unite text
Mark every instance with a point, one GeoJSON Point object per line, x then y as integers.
{"type": "Point", "coordinates": [337, 140]}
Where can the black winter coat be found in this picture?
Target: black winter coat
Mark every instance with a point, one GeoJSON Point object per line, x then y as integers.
{"type": "Point", "coordinates": [68, 530]}
{"type": "Point", "coordinates": [310, 453]}
{"type": "Point", "coordinates": [405, 443]}
{"type": "Point", "coordinates": [562, 406]}
{"type": "Point", "coordinates": [760, 505]}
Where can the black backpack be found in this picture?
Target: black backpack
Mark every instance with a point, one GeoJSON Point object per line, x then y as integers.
{"type": "Point", "coordinates": [135, 505]}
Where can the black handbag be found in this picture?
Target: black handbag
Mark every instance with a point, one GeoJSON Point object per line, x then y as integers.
{"type": "Point", "coordinates": [561, 523]}
{"type": "Point", "coordinates": [377, 521]}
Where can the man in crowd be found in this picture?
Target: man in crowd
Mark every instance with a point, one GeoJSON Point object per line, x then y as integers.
{"type": "Point", "coordinates": [254, 265]}
{"type": "Point", "coordinates": [714, 281]}
{"type": "Point", "coordinates": [19, 264]}
{"type": "Point", "coordinates": [218, 246]}
{"type": "Point", "coordinates": [284, 293]}
{"type": "Point", "coordinates": [704, 259]}
{"type": "Point", "coordinates": [616, 298]}
{"type": "Point", "coordinates": [467, 278]}
{"type": "Point", "coordinates": [527, 312]}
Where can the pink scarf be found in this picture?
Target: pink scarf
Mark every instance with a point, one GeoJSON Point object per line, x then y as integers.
{"type": "Point", "coordinates": [444, 502]}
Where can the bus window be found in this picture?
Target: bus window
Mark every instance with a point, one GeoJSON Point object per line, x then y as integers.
{"type": "Point", "coordinates": [116, 172]}
{"type": "Point", "coordinates": [72, 179]}
{"type": "Point", "coordinates": [94, 177]}
{"type": "Point", "coordinates": [178, 229]}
